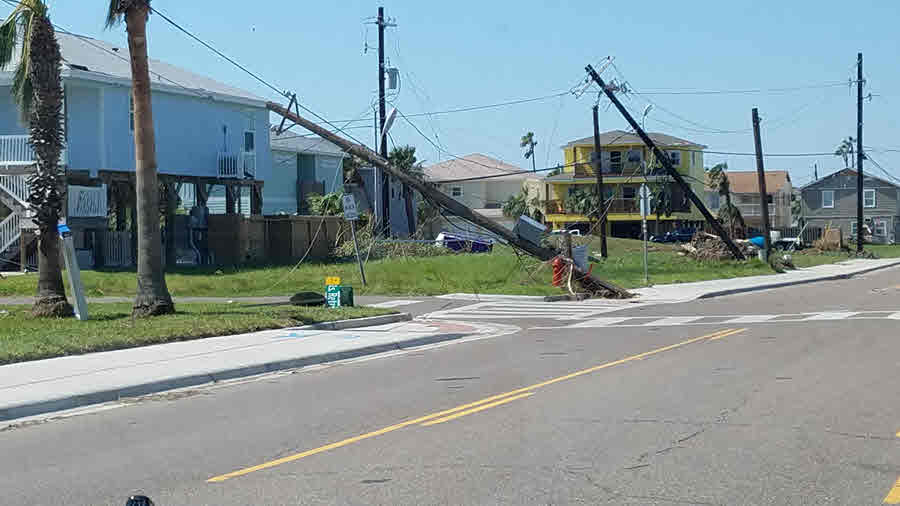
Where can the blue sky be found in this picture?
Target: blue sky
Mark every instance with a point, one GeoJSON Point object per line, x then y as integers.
{"type": "Point", "coordinates": [464, 53]}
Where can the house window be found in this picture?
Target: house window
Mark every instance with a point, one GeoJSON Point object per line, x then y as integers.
{"type": "Point", "coordinates": [629, 193]}
{"type": "Point", "coordinates": [615, 161]}
{"type": "Point", "coordinates": [675, 158]}
{"type": "Point", "coordinates": [456, 191]}
{"type": "Point", "coordinates": [828, 199]}
{"type": "Point", "coordinates": [881, 228]}
{"type": "Point", "coordinates": [868, 198]}
{"type": "Point", "coordinates": [249, 141]}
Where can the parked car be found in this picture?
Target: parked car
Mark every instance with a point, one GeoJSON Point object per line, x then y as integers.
{"type": "Point", "coordinates": [680, 235]}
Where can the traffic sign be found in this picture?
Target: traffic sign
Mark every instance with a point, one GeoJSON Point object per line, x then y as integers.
{"type": "Point", "coordinates": [351, 213]}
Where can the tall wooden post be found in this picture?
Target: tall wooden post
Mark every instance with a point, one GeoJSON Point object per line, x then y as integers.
{"type": "Point", "coordinates": [763, 194]}
{"type": "Point", "coordinates": [598, 170]}
{"type": "Point", "coordinates": [860, 222]}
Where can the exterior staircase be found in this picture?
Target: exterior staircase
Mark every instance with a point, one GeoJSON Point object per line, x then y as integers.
{"type": "Point", "coordinates": [13, 195]}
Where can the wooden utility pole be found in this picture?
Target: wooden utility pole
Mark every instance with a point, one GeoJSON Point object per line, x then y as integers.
{"type": "Point", "coordinates": [763, 194]}
{"type": "Point", "coordinates": [385, 179]}
{"type": "Point", "coordinates": [859, 154]}
{"type": "Point", "coordinates": [598, 170]}
{"type": "Point", "coordinates": [667, 164]}
{"type": "Point", "coordinates": [438, 197]}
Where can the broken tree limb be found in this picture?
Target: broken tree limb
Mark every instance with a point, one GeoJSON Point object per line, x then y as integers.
{"type": "Point", "coordinates": [698, 203]}
{"type": "Point", "coordinates": [432, 193]}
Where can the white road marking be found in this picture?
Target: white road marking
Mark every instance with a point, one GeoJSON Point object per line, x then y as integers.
{"type": "Point", "coordinates": [394, 303]}
{"type": "Point", "coordinates": [839, 315]}
{"type": "Point", "coordinates": [600, 322]}
{"type": "Point", "coordinates": [756, 318]}
{"type": "Point", "coordinates": [895, 316]}
{"type": "Point", "coordinates": [673, 320]}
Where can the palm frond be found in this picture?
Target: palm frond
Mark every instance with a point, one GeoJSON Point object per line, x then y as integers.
{"type": "Point", "coordinates": [115, 12]}
{"type": "Point", "coordinates": [9, 39]}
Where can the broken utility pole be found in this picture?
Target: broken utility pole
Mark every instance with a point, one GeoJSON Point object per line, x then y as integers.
{"type": "Point", "coordinates": [667, 164]}
{"type": "Point", "coordinates": [763, 194]}
{"type": "Point", "coordinates": [438, 197]}
{"type": "Point", "coordinates": [598, 170]}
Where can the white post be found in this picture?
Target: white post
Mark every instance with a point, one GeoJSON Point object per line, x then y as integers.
{"type": "Point", "coordinates": [645, 208]}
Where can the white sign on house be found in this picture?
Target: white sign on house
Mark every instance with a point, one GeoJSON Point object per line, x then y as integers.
{"type": "Point", "coordinates": [87, 202]}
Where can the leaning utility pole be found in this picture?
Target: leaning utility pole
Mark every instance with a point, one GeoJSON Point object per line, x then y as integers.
{"type": "Point", "coordinates": [859, 154]}
{"type": "Point", "coordinates": [667, 164]}
{"type": "Point", "coordinates": [385, 179]}
{"type": "Point", "coordinates": [436, 196]}
{"type": "Point", "coordinates": [763, 194]}
{"type": "Point", "coordinates": [598, 170]}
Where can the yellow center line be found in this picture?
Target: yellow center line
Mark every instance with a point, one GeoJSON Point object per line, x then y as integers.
{"type": "Point", "coordinates": [476, 410]}
{"type": "Point", "coordinates": [893, 496]}
{"type": "Point", "coordinates": [441, 414]}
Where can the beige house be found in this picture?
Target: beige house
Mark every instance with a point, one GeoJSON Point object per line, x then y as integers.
{"type": "Point", "coordinates": [745, 195]}
{"type": "Point", "coordinates": [479, 182]}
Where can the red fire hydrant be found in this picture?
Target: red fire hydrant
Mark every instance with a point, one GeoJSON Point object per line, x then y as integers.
{"type": "Point", "coordinates": [560, 270]}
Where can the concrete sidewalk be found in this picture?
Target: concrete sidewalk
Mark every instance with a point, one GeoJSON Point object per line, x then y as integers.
{"type": "Point", "coordinates": [43, 386]}
{"type": "Point", "coordinates": [681, 292]}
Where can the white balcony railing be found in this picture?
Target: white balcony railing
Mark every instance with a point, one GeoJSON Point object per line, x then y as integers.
{"type": "Point", "coordinates": [17, 186]}
{"type": "Point", "coordinates": [16, 150]}
{"type": "Point", "coordinates": [10, 230]}
{"type": "Point", "coordinates": [237, 165]}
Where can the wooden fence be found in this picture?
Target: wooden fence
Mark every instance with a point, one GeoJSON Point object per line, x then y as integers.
{"type": "Point", "coordinates": [117, 249]}
{"type": "Point", "coordinates": [236, 239]}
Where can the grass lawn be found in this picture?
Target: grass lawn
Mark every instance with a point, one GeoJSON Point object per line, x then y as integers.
{"type": "Point", "coordinates": [111, 327]}
{"type": "Point", "coordinates": [499, 272]}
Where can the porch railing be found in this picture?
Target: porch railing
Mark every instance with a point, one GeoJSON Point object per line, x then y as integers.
{"type": "Point", "coordinates": [10, 230]}
{"type": "Point", "coordinates": [17, 186]}
{"type": "Point", "coordinates": [237, 165]}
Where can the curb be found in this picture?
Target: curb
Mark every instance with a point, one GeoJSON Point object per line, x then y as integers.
{"type": "Point", "coordinates": [116, 394]}
{"type": "Point", "coordinates": [358, 323]}
{"type": "Point", "coordinates": [578, 297]}
{"type": "Point", "coordinates": [832, 277]}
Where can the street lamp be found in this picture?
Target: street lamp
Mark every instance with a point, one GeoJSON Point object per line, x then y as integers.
{"type": "Point", "coordinates": [644, 115]}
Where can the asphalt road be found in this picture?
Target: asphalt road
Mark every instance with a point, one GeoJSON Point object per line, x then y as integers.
{"type": "Point", "coordinates": [790, 396]}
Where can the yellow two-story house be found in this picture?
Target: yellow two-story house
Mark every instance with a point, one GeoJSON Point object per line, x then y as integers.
{"type": "Point", "coordinates": [626, 163]}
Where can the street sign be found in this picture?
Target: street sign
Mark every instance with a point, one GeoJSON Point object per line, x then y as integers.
{"type": "Point", "coordinates": [350, 211]}
{"type": "Point", "coordinates": [333, 291]}
{"type": "Point", "coordinates": [644, 195]}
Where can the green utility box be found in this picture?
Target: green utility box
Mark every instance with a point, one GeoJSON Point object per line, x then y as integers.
{"type": "Point", "coordinates": [346, 299]}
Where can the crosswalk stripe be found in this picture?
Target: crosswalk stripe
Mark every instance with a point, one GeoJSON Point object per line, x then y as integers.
{"type": "Point", "coordinates": [895, 316]}
{"type": "Point", "coordinates": [600, 322]}
{"type": "Point", "coordinates": [673, 320]}
{"type": "Point", "coordinates": [758, 318]}
{"type": "Point", "coordinates": [838, 315]}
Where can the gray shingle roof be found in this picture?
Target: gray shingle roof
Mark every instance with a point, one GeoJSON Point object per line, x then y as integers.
{"type": "Point", "coordinates": [92, 56]}
{"type": "Point", "coordinates": [293, 142]}
{"type": "Point", "coordinates": [621, 137]}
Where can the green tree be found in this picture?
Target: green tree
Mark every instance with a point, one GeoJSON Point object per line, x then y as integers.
{"type": "Point", "coordinates": [729, 214]}
{"type": "Point", "coordinates": [152, 293]}
{"type": "Point", "coordinates": [529, 143]}
{"type": "Point", "coordinates": [37, 89]}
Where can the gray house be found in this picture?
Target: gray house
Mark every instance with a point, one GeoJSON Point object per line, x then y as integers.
{"type": "Point", "coordinates": [832, 201]}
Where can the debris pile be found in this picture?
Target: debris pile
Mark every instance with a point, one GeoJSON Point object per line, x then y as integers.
{"type": "Point", "coordinates": [831, 240]}
{"type": "Point", "coordinates": [705, 246]}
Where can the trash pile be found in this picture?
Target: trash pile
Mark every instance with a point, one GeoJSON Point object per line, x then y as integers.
{"type": "Point", "coordinates": [705, 246]}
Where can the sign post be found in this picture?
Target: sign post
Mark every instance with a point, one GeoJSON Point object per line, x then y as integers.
{"type": "Point", "coordinates": [68, 246]}
{"type": "Point", "coordinates": [645, 209]}
{"type": "Point", "coordinates": [351, 214]}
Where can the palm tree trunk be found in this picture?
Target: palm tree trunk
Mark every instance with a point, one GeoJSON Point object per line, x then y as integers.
{"type": "Point", "coordinates": [46, 185]}
{"type": "Point", "coordinates": [152, 294]}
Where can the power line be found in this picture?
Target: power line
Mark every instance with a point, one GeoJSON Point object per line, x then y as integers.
{"type": "Point", "coordinates": [882, 169]}
{"type": "Point", "coordinates": [255, 76]}
{"type": "Point", "coordinates": [676, 91]}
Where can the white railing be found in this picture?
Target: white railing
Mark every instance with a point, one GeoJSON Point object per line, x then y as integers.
{"type": "Point", "coordinates": [16, 150]}
{"type": "Point", "coordinates": [756, 210]}
{"type": "Point", "coordinates": [237, 165]}
{"type": "Point", "coordinates": [17, 186]}
{"type": "Point", "coordinates": [10, 230]}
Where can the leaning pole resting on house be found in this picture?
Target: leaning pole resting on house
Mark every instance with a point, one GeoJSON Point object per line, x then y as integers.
{"type": "Point", "coordinates": [431, 193]}
{"type": "Point", "coordinates": [714, 223]}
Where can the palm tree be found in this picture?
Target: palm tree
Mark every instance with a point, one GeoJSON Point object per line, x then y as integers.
{"type": "Point", "coordinates": [37, 89]}
{"type": "Point", "coordinates": [729, 214]}
{"type": "Point", "coordinates": [845, 151]}
{"type": "Point", "coordinates": [529, 143]}
{"type": "Point", "coordinates": [152, 294]}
